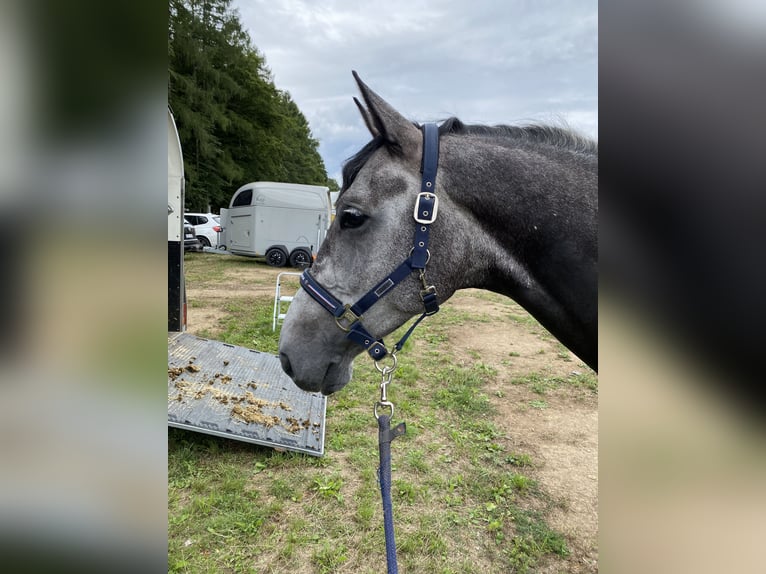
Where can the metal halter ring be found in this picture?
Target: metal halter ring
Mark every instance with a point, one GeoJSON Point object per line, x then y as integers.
{"type": "Point", "coordinates": [428, 254]}
{"type": "Point", "coordinates": [387, 369]}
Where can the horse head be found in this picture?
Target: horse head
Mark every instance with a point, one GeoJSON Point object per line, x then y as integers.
{"type": "Point", "coordinates": [371, 234]}
{"type": "Point", "coordinates": [511, 209]}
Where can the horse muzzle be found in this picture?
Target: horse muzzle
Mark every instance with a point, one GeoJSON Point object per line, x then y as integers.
{"type": "Point", "coordinates": [315, 377]}
{"type": "Point", "coordinates": [312, 351]}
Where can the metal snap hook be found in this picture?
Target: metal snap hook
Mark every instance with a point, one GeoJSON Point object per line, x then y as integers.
{"type": "Point", "coordinates": [386, 404]}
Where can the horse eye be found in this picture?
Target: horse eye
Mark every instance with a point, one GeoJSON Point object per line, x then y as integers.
{"type": "Point", "coordinates": [352, 218]}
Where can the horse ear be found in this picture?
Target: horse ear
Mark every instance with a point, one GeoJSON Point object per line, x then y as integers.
{"type": "Point", "coordinates": [394, 128]}
{"type": "Point", "coordinates": [366, 118]}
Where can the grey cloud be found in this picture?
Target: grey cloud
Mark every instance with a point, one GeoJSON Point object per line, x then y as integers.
{"type": "Point", "coordinates": [484, 61]}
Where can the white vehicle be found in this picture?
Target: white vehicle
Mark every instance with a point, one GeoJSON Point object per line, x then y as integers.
{"type": "Point", "coordinates": [207, 226]}
{"type": "Point", "coordinates": [176, 232]}
{"type": "Point", "coordinates": [283, 222]}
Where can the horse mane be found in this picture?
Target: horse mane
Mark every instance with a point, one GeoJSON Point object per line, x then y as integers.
{"type": "Point", "coordinates": [548, 135]}
{"type": "Point", "coordinates": [554, 136]}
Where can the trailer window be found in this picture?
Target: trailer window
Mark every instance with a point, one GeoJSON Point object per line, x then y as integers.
{"type": "Point", "coordinates": [244, 198]}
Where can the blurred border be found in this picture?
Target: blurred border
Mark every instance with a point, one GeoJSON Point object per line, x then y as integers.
{"type": "Point", "coordinates": [682, 217]}
{"type": "Point", "coordinates": [82, 169]}
{"type": "Point", "coordinates": [83, 420]}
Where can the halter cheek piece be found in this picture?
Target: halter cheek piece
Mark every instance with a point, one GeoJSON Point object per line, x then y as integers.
{"type": "Point", "coordinates": [349, 317]}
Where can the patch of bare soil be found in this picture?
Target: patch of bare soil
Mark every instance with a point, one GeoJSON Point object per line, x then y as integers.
{"type": "Point", "coordinates": [205, 320]}
{"type": "Point", "coordinates": [559, 429]}
{"type": "Point", "coordinates": [247, 281]}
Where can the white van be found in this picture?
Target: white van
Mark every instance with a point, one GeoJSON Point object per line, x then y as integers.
{"type": "Point", "coordinates": [283, 222]}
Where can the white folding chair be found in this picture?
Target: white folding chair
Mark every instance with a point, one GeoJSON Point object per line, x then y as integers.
{"type": "Point", "coordinates": [281, 302]}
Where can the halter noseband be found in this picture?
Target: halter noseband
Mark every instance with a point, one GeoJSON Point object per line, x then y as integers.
{"type": "Point", "coordinates": [349, 317]}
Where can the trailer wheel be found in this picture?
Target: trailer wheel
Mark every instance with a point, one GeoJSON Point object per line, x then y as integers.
{"type": "Point", "coordinates": [276, 257]}
{"type": "Point", "coordinates": [300, 258]}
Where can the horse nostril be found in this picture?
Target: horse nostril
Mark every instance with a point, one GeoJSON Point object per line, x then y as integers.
{"type": "Point", "coordinates": [286, 365]}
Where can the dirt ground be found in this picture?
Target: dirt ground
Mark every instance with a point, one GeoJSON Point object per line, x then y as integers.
{"type": "Point", "coordinates": [558, 429]}
{"type": "Point", "coordinates": [250, 281]}
{"type": "Point", "coordinates": [562, 437]}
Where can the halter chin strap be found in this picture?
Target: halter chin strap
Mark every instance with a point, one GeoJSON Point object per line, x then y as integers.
{"type": "Point", "coordinates": [349, 317]}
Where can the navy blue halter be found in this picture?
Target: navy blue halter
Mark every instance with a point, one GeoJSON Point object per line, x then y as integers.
{"type": "Point", "coordinates": [349, 317]}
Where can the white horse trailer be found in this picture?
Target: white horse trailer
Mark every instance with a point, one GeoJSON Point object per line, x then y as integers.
{"type": "Point", "coordinates": [283, 222]}
{"type": "Point", "coordinates": [176, 287]}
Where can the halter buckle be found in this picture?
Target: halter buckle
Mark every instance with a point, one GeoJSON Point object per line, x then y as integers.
{"type": "Point", "coordinates": [347, 315]}
{"type": "Point", "coordinates": [426, 214]}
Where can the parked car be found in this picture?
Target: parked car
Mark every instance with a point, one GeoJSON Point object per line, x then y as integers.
{"type": "Point", "coordinates": [191, 243]}
{"type": "Point", "coordinates": [208, 227]}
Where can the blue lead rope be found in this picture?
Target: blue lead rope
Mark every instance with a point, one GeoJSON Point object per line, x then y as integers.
{"type": "Point", "coordinates": [386, 434]}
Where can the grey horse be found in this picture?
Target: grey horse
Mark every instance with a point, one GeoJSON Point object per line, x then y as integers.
{"type": "Point", "coordinates": [518, 212]}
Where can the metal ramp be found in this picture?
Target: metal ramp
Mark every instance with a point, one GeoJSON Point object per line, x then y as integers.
{"type": "Point", "coordinates": [237, 393]}
{"type": "Point", "coordinates": [282, 301]}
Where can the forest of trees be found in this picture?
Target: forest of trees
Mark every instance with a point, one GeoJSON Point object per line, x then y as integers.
{"type": "Point", "coordinates": [234, 124]}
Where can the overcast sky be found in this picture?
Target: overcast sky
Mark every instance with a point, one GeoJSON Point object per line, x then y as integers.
{"type": "Point", "coordinates": [483, 61]}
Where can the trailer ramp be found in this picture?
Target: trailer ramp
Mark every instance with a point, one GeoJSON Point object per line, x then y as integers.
{"type": "Point", "coordinates": [238, 393]}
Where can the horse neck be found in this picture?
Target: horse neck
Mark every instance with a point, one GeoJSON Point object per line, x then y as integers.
{"type": "Point", "coordinates": [537, 211]}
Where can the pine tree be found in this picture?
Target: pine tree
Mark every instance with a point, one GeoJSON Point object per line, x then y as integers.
{"type": "Point", "coordinates": [235, 126]}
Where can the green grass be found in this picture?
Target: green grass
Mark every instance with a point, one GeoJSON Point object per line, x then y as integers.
{"type": "Point", "coordinates": [465, 499]}
{"type": "Point", "coordinates": [544, 384]}
{"type": "Point", "coordinates": [249, 324]}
